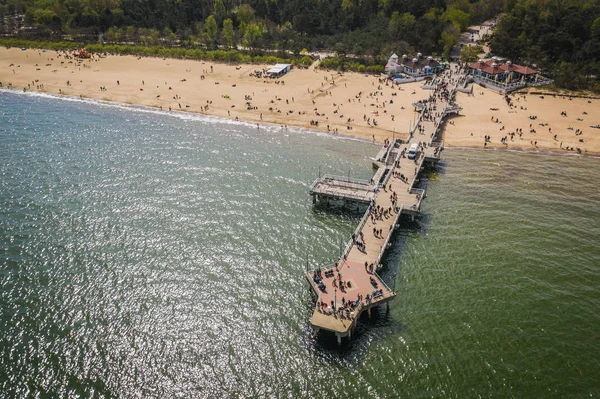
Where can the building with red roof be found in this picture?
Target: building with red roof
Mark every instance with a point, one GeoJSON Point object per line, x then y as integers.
{"type": "Point", "coordinates": [505, 76]}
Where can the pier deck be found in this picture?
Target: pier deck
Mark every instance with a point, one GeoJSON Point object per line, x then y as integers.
{"type": "Point", "coordinates": [353, 267]}
{"type": "Point", "coordinates": [341, 187]}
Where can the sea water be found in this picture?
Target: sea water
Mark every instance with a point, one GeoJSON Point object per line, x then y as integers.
{"type": "Point", "coordinates": [148, 254]}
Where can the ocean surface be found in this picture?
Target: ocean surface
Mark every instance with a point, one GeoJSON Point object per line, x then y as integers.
{"type": "Point", "coordinates": [154, 255]}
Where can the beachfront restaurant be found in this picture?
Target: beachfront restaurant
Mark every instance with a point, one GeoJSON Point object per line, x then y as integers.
{"type": "Point", "coordinates": [279, 70]}
{"type": "Point", "coordinates": [414, 67]}
{"type": "Point", "coordinates": [505, 75]}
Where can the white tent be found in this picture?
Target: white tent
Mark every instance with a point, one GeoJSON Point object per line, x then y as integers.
{"type": "Point", "coordinates": [279, 70]}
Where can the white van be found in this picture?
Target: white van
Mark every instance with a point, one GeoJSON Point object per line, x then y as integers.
{"type": "Point", "coordinates": [413, 151]}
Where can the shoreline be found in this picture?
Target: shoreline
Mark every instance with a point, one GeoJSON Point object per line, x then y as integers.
{"type": "Point", "coordinates": [273, 127]}
{"type": "Point", "coordinates": [349, 105]}
{"type": "Point", "coordinates": [545, 152]}
{"type": "Point", "coordinates": [182, 114]}
{"type": "Point", "coordinates": [303, 98]}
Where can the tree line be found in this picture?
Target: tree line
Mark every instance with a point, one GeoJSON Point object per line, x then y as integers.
{"type": "Point", "coordinates": [562, 37]}
{"type": "Point", "coordinates": [365, 28]}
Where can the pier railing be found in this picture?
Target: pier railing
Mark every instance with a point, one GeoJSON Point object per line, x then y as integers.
{"type": "Point", "coordinates": [383, 282]}
{"type": "Point", "coordinates": [344, 181]}
{"type": "Point", "coordinates": [418, 121]}
{"type": "Point", "coordinates": [389, 175]}
{"type": "Point", "coordinates": [362, 222]}
{"type": "Point", "coordinates": [415, 178]}
{"type": "Point", "coordinates": [505, 87]}
{"type": "Point", "coordinates": [384, 153]}
{"type": "Point", "coordinates": [323, 268]}
{"type": "Point", "coordinates": [449, 108]}
{"type": "Point", "coordinates": [387, 239]}
{"type": "Point", "coordinates": [420, 195]}
{"type": "Point", "coordinates": [390, 149]}
{"type": "Point", "coordinates": [419, 105]}
{"type": "Point", "coordinates": [336, 195]}
{"type": "Point", "coordinates": [386, 178]}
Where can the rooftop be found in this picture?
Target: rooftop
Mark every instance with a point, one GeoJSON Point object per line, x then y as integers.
{"type": "Point", "coordinates": [494, 67]}
{"type": "Point", "coordinates": [279, 68]}
{"type": "Point", "coordinates": [418, 62]}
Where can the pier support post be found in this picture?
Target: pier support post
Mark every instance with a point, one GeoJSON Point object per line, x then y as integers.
{"type": "Point", "coordinates": [369, 312]}
{"type": "Point", "coordinates": [387, 307]}
{"type": "Point", "coordinates": [339, 339]}
{"type": "Point", "coordinates": [314, 198]}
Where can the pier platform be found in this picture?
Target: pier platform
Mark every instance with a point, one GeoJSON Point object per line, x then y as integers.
{"type": "Point", "coordinates": [393, 189]}
{"type": "Point", "coordinates": [338, 187]}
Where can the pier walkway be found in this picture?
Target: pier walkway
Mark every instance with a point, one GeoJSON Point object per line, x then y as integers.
{"type": "Point", "coordinates": [351, 285]}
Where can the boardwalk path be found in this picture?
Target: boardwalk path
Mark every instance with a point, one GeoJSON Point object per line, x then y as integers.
{"type": "Point", "coordinates": [357, 268]}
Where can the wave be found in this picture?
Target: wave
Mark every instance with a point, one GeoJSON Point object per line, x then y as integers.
{"type": "Point", "coordinates": [182, 115]}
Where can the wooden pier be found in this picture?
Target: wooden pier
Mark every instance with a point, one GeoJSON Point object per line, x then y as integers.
{"type": "Point", "coordinates": [338, 307]}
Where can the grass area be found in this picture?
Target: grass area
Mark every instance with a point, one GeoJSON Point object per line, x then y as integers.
{"type": "Point", "coordinates": [346, 64]}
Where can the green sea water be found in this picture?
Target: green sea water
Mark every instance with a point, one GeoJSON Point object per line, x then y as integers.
{"type": "Point", "coordinates": [152, 255]}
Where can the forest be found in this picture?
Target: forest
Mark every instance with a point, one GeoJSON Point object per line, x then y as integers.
{"type": "Point", "coordinates": [560, 36]}
{"type": "Point", "coordinates": [372, 28]}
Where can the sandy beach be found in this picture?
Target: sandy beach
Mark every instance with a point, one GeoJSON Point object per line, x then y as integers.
{"type": "Point", "coordinates": [349, 103]}
{"type": "Point", "coordinates": [545, 123]}
{"type": "Point", "coordinates": [340, 103]}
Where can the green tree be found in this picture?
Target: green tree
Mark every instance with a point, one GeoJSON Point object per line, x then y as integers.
{"type": "Point", "coordinates": [596, 28]}
{"type": "Point", "coordinates": [245, 14]}
{"type": "Point", "coordinates": [382, 6]}
{"type": "Point", "coordinates": [253, 35]}
{"type": "Point", "coordinates": [153, 36]}
{"type": "Point", "coordinates": [45, 17]}
{"type": "Point", "coordinates": [459, 18]}
{"type": "Point", "coordinates": [347, 5]}
{"type": "Point", "coordinates": [242, 29]}
{"type": "Point", "coordinates": [130, 34]}
{"type": "Point", "coordinates": [462, 5]}
{"type": "Point", "coordinates": [170, 37]}
{"type": "Point", "coordinates": [219, 11]}
{"type": "Point", "coordinates": [468, 53]}
{"type": "Point", "coordinates": [448, 38]}
{"type": "Point", "coordinates": [110, 34]}
{"type": "Point", "coordinates": [211, 31]}
{"type": "Point", "coordinates": [228, 34]}
{"type": "Point", "coordinates": [402, 25]}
